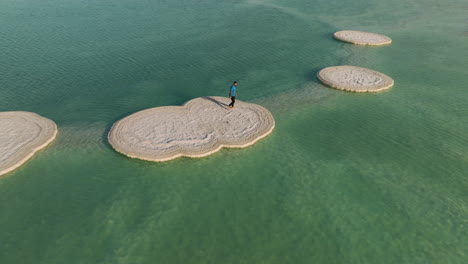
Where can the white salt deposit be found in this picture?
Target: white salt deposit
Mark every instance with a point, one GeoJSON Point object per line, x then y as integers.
{"type": "Point", "coordinates": [21, 135]}
{"type": "Point", "coordinates": [362, 38]}
{"type": "Point", "coordinates": [199, 128]}
{"type": "Point", "coordinates": [355, 79]}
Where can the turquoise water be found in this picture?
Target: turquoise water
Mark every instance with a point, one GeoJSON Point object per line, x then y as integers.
{"type": "Point", "coordinates": [344, 178]}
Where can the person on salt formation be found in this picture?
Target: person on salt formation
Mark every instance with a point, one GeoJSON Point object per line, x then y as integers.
{"type": "Point", "coordinates": [232, 94]}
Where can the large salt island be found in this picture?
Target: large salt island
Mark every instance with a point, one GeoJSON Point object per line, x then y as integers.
{"type": "Point", "coordinates": [200, 127]}
{"type": "Point", "coordinates": [362, 38]}
{"type": "Point", "coordinates": [354, 79]}
{"type": "Point", "coordinates": [21, 135]}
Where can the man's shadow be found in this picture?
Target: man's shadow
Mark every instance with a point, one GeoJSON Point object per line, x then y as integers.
{"type": "Point", "coordinates": [223, 105]}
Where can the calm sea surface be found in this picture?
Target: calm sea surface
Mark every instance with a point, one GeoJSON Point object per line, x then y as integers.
{"type": "Point", "coordinates": [344, 178]}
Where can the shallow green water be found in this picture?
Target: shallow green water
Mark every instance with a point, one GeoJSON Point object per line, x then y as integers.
{"type": "Point", "coordinates": [344, 178]}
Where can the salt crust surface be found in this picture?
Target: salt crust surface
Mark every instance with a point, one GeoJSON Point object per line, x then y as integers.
{"type": "Point", "coordinates": [354, 79]}
{"type": "Point", "coordinates": [362, 38]}
{"type": "Point", "coordinates": [200, 127]}
{"type": "Point", "coordinates": [21, 135]}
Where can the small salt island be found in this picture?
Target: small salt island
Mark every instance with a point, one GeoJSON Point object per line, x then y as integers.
{"type": "Point", "coordinates": [362, 38]}
{"type": "Point", "coordinates": [21, 135]}
{"type": "Point", "coordinates": [200, 127]}
{"type": "Point", "coordinates": [354, 79]}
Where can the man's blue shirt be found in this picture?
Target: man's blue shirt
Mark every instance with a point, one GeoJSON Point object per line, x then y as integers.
{"type": "Point", "coordinates": [233, 90]}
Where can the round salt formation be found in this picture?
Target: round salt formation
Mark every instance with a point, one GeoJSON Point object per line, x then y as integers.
{"type": "Point", "coordinates": [362, 38]}
{"type": "Point", "coordinates": [200, 127]}
{"type": "Point", "coordinates": [21, 135]}
{"type": "Point", "coordinates": [354, 79]}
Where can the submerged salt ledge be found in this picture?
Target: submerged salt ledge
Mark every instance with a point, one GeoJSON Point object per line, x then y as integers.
{"type": "Point", "coordinates": [355, 79]}
{"type": "Point", "coordinates": [200, 127]}
{"type": "Point", "coordinates": [21, 135]}
{"type": "Point", "coordinates": [362, 38]}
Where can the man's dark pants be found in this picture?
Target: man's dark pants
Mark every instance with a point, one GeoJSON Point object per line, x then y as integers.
{"type": "Point", "coordinates": [233, 100]}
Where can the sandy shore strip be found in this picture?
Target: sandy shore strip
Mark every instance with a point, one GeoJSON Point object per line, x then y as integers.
{"type": "Point", "coordinates": [200, 127]}
{"type": "Point", "coordinates": [21, 135]}
{"type": "Point", "coordinates": [354, 79]}
{"type": "Point", "coordinates": [362, 38]}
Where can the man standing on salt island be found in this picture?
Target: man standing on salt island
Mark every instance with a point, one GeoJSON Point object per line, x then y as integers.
{"type": "Point", "coordinates": [232, 94]}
